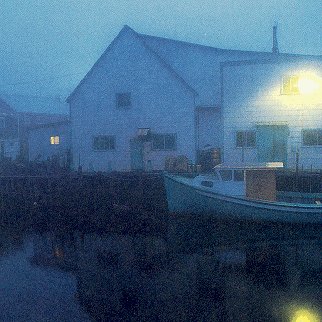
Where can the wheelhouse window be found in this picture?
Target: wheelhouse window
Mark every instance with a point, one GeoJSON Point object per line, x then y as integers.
{"type": "Point", "coordinates": [226, 175]}
{"type": "Point", "coordinates": [290, 85]}
{"type": "Point", "coordinates": [123, 100]}
{"type": "Point", "coordinates": [54, 140]}
{"type": "Point", "coordinates": [104, 142]}
{"type": "Point", "coordinates": [239, 175]}
{"type": "Point", "coordinates": [245, 139]}
{"type": "Point", "coordinates": [214, 176]}
{"type": "Point", "coordinates": [164, 141]}
{"type": "Point", "coordinates": [312, 137]}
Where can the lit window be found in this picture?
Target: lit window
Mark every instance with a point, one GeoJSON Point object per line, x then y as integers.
{"type": "Point", "coordinates": [245, 139]}
{"type": "Point", "coordinates": [123, 100]}
{"type": "Point", "coordinates": [164, 141]}
{"type": "Point", "coordinates": [104, 142]}
{"type": "Point", "coordinates": [312, 137]}
{"type": "Point", "coordinates": [290, 85]}
{"type": "Point", "coordinates": [54, 139]}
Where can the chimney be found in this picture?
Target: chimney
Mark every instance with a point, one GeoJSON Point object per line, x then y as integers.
{"type": "Point", "coordinates": [275, 44]}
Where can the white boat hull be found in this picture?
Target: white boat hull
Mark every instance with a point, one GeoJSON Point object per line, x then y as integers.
{"type": "Point", "coordinates": [183, 197]}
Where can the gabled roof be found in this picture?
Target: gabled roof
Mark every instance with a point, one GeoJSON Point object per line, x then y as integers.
{"type": "Point", "coordinates": [200, 65]}
{"type": "Point", "coordinates": [196, 66]}
{"type": "Point", "coordinates": [154, 53]}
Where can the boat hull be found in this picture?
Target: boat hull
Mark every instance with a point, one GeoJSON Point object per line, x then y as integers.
{"type": "Point", "coordinates": [183, 197]}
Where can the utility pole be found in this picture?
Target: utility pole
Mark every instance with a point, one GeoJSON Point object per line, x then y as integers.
{"type": "Point", "coordinates": [275, 43]}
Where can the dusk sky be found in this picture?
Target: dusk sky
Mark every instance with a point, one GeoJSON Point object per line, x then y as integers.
{"type": "Point", "coordinates": [47, 46]}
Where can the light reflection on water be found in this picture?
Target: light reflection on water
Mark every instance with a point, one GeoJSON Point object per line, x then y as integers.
{"type": "Point", "coordinates": [54, 276]}
{"type": "Point", "coordinates": [35, 293]}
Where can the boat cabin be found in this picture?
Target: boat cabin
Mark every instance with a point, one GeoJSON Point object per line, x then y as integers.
{"type": "Point", "coordinates": [253, 182]}
{"type": "Point", "coordinates": [224, 181]}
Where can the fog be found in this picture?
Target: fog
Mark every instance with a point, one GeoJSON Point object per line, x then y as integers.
{"type": "Point", "coordinates": [48, 46]}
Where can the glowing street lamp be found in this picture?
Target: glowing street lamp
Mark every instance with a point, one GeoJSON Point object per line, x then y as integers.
{"type": "Point", "coordinates": [304, 315]}
{"type": "Point", "coordinates": [308, 84]}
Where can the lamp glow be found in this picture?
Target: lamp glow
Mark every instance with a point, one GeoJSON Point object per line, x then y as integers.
{"type": "Point", "coordinates": [308, 85]}
{"type": "Point", "coordinates": [304, 315]}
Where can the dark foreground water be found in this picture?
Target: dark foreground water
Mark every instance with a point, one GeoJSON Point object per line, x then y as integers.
{"type": "Point", "coordinates": [81, 275]}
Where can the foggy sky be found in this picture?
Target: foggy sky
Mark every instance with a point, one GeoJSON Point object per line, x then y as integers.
{"type": "Point", "coordinates": [47, 46]}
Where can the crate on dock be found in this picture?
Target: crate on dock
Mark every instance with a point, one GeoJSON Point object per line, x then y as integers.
{"type": "Point", "coordinates": [178, 163]}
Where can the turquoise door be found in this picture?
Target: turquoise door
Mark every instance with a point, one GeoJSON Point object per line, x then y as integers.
{"type": "Point", "coordinates": [272, 143]}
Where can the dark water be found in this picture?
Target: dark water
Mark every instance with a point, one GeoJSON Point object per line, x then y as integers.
{"type": "Point", "coordinates": [74, 275]}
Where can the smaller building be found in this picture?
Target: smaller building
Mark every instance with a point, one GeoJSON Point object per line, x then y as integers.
{"type": "Point", "coordinates": [50, 142]}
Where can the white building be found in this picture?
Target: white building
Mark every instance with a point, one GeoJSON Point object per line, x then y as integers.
{"type": "Point", "coordinates": [148, 98]}
{"type": "Point", "coordinates": [272, 111]}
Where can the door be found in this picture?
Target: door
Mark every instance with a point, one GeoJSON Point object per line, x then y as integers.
{"type": "Point", "coordinates": [272, 143]}
{"type": "Point", "coordinates": [136, 149]}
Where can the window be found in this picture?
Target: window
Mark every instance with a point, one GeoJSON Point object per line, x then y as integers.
{"type": "Point", "coordinates": [226, 175]}
{"type": "Point", "coordinates": [208, 184]}
{"type": "Point", "coordinates": [123, 100]}
{"type": "Point", "coordinates": [290, 85]}
{"type": "Point", "coordinates": [104, 142]}
{"type": "Point", "coordinates": [239, 175]}
{"type": "Point", "coordinates": [164, 141]}
{"type": "Point", "coordinates": [214, 176]}
{"type": "Point", "coordinates": [245, 139]}
{"type": "Point", "coordinates": [312, 137]}
{"type": "Point", "coordinates": [54, 140]}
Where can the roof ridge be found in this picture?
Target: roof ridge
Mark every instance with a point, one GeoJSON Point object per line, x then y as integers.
{"type": "Point", "coordinates": [201, 45]}
{"type": "Point", "coordinates": [223, 49]}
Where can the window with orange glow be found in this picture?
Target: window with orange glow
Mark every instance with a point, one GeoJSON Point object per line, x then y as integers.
{"type": "Point", "coordinates": [54, 140]}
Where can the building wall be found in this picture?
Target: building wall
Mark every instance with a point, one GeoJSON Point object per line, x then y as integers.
{"type": "Point", "coordinates": [209, 128]}
{"type": "Point", "coordinates": [9, 132]}
{"type": "Point", "coordinates": [40, 147]}
{"type": "Point", "coordinates": [252, 96]}
{"type": "Point", "coordinates": [160, 101]}
{"type": "Point", "coordinates": [11, 148]}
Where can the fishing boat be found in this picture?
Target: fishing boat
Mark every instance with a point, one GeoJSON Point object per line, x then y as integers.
{"type": "Point", "coordinates": [240, 192]}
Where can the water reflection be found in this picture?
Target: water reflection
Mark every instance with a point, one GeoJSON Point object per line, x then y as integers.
{"type": "Point", "coordinates": [136, 278]}
{"type": "Point", "coordinates": [133, 277]}
{"type": "Point", "coordinates": [31, 292]}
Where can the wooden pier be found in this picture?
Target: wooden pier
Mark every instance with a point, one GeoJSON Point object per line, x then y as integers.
{"type": "Point", "coordinates": [79, 199]}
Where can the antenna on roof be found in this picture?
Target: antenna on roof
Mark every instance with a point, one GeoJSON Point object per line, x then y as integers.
{"type": "Point", "coordinates": [275, 44]}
